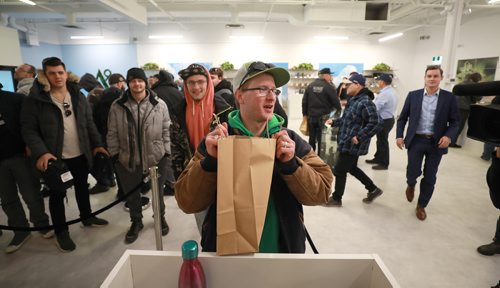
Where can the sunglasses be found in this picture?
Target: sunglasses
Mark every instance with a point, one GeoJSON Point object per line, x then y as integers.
{"type": "Point", "coordinates": [67, 112]}
{"type": "Point", "coordinates": [254, 68]}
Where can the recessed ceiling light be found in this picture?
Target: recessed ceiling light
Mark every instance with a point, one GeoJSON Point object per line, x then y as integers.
{"type": "Point", "coordinates": [389, 37]}
{"type": "Point", "coordinates": [28, 2]}
{"type": "Point", "coordinates": [165, 37]}
{"type": "Point", "coordinates": [493, 1]}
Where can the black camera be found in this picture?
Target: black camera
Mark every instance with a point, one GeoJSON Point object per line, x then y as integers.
{"type": "Point", "coordinates": [484, 119]}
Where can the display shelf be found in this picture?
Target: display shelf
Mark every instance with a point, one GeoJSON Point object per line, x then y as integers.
{"type": "Point", "coordinates": [371, 83]}
{"type": "Point", "coordinates": [300, 79]}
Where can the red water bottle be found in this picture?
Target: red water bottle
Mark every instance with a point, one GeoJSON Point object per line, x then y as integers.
{"type": "Point", "coordinates": [191, 274]}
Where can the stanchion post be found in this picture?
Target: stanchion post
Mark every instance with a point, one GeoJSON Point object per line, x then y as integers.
{"type": "Point", "coordinates": [153, 175]}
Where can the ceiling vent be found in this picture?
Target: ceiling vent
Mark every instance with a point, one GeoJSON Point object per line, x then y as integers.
{"type": "Point", "coordinates": [235, 26]}
{"type": "Point", "coordinates": [376, 33]}
{"type": "Point", "coordinates": [71, 22]}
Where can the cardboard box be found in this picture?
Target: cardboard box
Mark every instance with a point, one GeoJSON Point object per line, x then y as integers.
{"type": "Point", "coordinates": [138, 268]}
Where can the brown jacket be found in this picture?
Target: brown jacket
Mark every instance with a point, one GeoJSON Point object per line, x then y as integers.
{"type": "Point", "coordinates": [304, 180]}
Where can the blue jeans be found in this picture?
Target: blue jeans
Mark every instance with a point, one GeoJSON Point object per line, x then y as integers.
{"type": "Point", "coordinates": [18, 172]}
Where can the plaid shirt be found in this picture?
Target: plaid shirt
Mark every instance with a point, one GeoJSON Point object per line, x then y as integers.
{"type": "Point", "coordinates": [360, 119]}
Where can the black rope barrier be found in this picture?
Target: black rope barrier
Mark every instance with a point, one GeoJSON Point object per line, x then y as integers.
{"type": "Point", "coordinates": [50, 227]}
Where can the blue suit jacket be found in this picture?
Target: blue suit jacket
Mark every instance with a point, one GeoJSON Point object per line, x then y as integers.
{"type": "Point", "coordinates": [445, 122]}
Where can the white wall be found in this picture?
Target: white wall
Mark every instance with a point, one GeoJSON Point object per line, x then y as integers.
{"type": "Point", "coordinates": [398, 54]}
{"type": "Point", "coordinates": [10, 51]}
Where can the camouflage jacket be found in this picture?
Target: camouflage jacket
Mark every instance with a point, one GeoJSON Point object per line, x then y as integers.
{"type": "Point", "coordinates": [179, 137]}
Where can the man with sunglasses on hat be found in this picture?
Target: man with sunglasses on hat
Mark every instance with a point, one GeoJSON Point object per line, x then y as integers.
{"type": "Point", "coordinates": [56, 122]}
{"type": "Point", "coordinates": [199, 112]}
{"type": "Point", "coordinates": [318, 101]}
{"type": "Point", "coordinates": [300, 177]}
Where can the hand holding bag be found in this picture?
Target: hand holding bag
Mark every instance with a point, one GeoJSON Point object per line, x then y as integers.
{"type": "Point", "coordinates": [244, 174]}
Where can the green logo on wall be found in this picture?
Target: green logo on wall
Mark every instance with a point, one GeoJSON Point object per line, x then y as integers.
{"type": "Point", "coordinates": [103, 77]}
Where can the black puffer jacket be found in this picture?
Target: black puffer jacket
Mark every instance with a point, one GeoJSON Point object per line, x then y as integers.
{"type": "Point", "coordinates": [320, 99]}
{"type": "Point", "coordinates": [42, 123]}
{"type": "Point", "coordinates": [101, 109]}
{"type": "Point", "coordinates": [167, 90]}
{"type": "Point", "coordinates": [225, 89]}
{"type": "Point", "coordinates": [11, 142]}
{"type": "Point", "coordinates": [493, 179]}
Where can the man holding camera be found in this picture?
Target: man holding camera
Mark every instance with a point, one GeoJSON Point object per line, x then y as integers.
{"type": "Point", "coordinates": [433, 118]}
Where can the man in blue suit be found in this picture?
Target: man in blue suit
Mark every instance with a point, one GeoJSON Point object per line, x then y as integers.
{"type": "Point", "coordinates": [433, 119]}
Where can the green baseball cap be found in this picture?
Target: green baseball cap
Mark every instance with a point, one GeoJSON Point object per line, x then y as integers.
{"type": "Point", "coordinates": [253, 69]}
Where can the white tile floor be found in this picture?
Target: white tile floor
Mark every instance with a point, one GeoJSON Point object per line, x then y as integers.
{"type": "Point", "coordinates": [439, 252]}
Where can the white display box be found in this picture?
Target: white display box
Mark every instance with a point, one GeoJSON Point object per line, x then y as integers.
{"type": "Point", "coordinates": [152, 269]}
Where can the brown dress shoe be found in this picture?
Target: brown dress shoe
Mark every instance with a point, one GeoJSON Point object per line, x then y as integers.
{"type": "Point", "coordinates": [420, 212]}
{"type": "Point", "coordinates": [410, 193]}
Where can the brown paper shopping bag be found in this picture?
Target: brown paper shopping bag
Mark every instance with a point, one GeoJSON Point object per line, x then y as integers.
{"type": "Point", "coordinates": [244, 173]}
{"type": "Point", "coordinates": [304, 127]}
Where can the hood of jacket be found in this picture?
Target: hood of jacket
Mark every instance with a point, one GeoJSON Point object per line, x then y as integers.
{"type": "Point", "coordinates": [25, 82]}
{"type": "Point", "coordinates": [41, 85]}
{"type": "Point", "coordinates": [89, 82]}
{"type": "Point", "coordinates": [224, 84]}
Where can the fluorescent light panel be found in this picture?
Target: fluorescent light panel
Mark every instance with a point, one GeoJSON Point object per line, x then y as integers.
{"type": "Point", "coordinates": [493, 1]}
{"type": "Point", "coordinates": [331, 38]}
{"type": "Point", "coordinates": [389, 37]}
{"type": "Point", "coordinates": [165, 37]}
{"type": "Point", "coordinates": [86, 37]}
{"type": "Point", "coordinates": [234, 37]}
{"type": "Point", "coordinates": [28, 2]}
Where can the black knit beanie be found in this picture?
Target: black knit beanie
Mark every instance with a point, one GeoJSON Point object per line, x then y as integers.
{"type": "Point", "coordinates": [136, 73]}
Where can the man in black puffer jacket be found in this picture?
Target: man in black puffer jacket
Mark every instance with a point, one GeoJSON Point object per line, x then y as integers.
{"type": "Point", "coordinates": [57, 124]}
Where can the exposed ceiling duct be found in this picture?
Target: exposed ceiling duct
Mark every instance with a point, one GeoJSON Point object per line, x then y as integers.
{"type": "Point", "coordinates": [12, 24]}
{"type": "Point", "coordinates": [71, 22]}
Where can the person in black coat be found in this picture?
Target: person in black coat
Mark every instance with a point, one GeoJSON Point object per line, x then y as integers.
{"type": "Point", "coordinates": [167, 90]}
{"type": "Point", "coordinates": [100, 112]}
{"type": "Point", "coordinates": [493, 179]}
{"type": "Point", "coordinates": [17, 170]}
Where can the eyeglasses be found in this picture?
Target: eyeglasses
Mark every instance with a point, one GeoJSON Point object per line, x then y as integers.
{"type": "Point", "coordinates": [263, 91]}
{"type": "Point", "coordinates": [198, 82]}
{"type": "Point", "coordinates": [254, 68]}
{"type": "Point", "coordinates": [67, 112]}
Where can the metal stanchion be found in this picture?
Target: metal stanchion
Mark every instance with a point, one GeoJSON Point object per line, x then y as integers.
{"type": "Point", "coordinates": [153, 174]}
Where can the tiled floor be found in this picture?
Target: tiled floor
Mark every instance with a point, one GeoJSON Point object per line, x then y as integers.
{"type": "Point", "coordinates": [439, 252]}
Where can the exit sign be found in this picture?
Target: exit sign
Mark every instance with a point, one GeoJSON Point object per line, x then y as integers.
{"type": "Point", "coordinates": [437, 59]}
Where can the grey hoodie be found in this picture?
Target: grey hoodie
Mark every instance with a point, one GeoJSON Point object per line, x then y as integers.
{"type": "Point", "coordinates": [24, 86]}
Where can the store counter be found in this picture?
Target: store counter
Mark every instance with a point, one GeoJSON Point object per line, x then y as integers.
{"type": "Point", "coordinates": [160, 269]}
